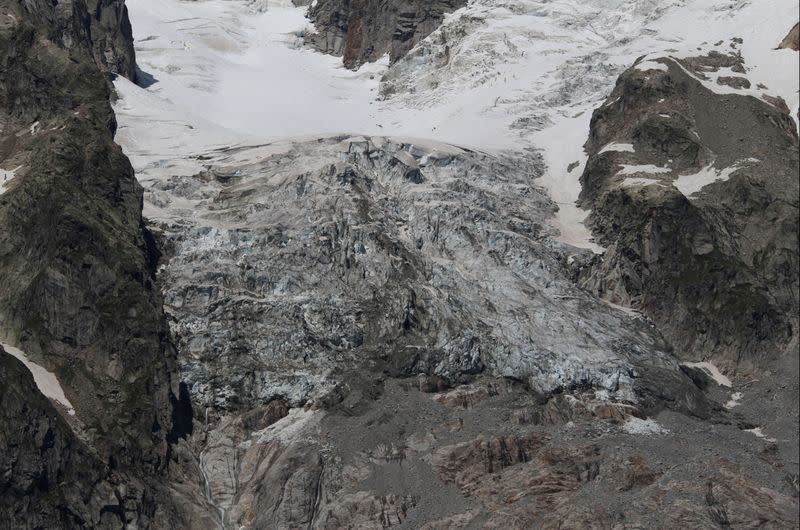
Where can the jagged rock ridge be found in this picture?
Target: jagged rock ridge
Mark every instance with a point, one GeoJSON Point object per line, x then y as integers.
{"type": "Point", "coordinates": [362, 31]}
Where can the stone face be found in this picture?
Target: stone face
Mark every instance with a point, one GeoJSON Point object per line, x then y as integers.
{"type": "Point", "coordinates": [94, 36]}
{"type": "Point", "coordinates": [395, 461]}
{"type": "Point", "coordinates": [365, 30]}
{"type": "Point", "coordinates": [714, 264]}
{"type": "Point", "coordinates": [78, 290]}
{"type": "Point", "coordinates": [792, 39]}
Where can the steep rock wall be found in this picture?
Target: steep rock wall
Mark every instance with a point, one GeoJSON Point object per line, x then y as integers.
{"type": "Point", "coordinates": [77, 266]}
{"type": "Point", "coordinates": [365, 30]}
{"type": "Point", "coordinates": [699, 209]}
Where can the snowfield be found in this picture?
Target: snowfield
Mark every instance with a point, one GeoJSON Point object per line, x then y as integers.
{"type": "Point", "coordinates": [520, 75]}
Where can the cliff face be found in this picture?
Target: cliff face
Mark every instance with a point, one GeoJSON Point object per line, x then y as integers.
{"type": "Point", "coordinates": [792, 39]}
{"type": "Point", "coordinates": [365, 30]}
{"type": "Point", "coordinates": [694, 188]}
{"type": "Point", "coordinates": [77, 268]}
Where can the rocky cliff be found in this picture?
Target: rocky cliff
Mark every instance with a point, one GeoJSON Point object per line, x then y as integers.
{"type": "Point", "coordinates": [78, 295]}
{"type": "Point", "coordinates": [365, 30]}
{"type": "Point", "coordinates": [693, 185]}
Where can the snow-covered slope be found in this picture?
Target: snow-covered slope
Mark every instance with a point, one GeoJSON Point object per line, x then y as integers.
{"type": "Point", "coordinates": [535, 70]}
{"type": "Point", "coordinates": [222, 72]}
{"type": "Point", "coordinates": [514, 74]}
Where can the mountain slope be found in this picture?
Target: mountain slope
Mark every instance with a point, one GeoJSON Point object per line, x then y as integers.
{"type": "Point", "coordinates": [78, 295]}
{"type": "Point", "coordinates": [338, 294]}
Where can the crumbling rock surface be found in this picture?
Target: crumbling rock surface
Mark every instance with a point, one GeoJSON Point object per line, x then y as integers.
{"type": "Point", "coordinates": [365, 30]}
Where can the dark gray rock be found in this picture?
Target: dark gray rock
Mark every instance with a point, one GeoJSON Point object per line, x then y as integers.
{"type": "Point", "coordinates": [716, 269]}
{"type": "Point", "coordinates": [78, 282]}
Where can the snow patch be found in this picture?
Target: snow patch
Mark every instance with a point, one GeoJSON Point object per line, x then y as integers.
{"type": "Point", "coordinates": [691, 184]}
{"type": "Point", "coordinates": [644, 168]}
{"type": "Point", "coordinates": [6, 176]}
{"type": "Point", "coordinates": [712, 372]}
{"type": "Point", "coordinates": [640, 181]}
{"type": "Point", "coordinates": [758, 432]}
{"type": "Point", "coordinates": [634, 425]}
{"type": "Point", "coordinates": [651, 65]}
{"type": "Point", "coordinates": [620, 148]}
{"type": "Point", "coordinates": [561, 146]}
{"type": "Point", "coordinates": [45, 380]}
{"type": "Point", "coordinates": [734, 401]}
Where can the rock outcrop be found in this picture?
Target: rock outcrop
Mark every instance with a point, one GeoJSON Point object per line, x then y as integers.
{"type": "Point", "coordinates": [792, 39]}
{"type": "Point", "coordinates": [693, 186]}
{"type": "Point", "coordinates": [78, 291]}
{"type": "Point", "coordinates": [365, 30]}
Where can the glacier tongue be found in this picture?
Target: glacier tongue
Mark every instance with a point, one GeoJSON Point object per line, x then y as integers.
{"type": "Point", "coordinates": [294, 264]}
{"type": "Point", "coordinates": [504, 78]}
{"type": "Point", "coordinates": [515, 81]}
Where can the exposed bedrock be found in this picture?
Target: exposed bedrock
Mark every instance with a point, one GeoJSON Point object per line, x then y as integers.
{"type": "Point", "coordinates": [78, 294]}
{"type": "Point", "coordinates": [365, 30]}
{"type": "Point", "coordinates": [693, 188]}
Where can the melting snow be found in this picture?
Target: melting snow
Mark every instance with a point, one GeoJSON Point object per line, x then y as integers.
{"type": "Point", "coordinates": [634, 425]}
{"type": "Point", "coordinates": [561, 146]}
{"type": "Point", "coordinates": [734, 401]}
{"type": "Point", "coordinates": [691, 184]}
{"type": "Point", "coordinates": [651, 65]}
{"type": "Point", "coordinates": [6, 176]}
{"type": "Point", "coordinates": [45, 380]}
{"type": "Point", "coordinates": [712, 371]}
{"type": "Point", "coordinates": [639, 181]}
{"type": "Point", "coordinates": [645, 168]}
{"type": "Point", "coordinates": [621, 148]}
{"type": "Point", "coordinates": [757, 431]}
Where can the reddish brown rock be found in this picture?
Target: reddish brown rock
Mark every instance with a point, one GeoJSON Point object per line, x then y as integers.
{"type": "Point", "coordinates": [792, 39]}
